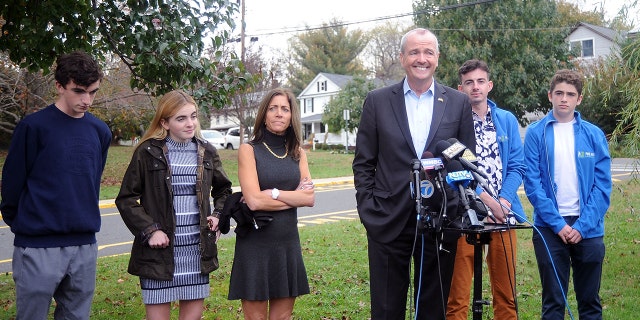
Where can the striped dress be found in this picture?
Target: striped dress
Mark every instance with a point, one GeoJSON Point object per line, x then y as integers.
{"type": "Point", "coordinates": [188, 283]}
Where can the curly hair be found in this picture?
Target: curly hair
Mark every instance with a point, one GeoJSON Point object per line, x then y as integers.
{"type": "Point", "coordinates": [571, 77]}
{"type": "Point", "coordinates": [79, 67]}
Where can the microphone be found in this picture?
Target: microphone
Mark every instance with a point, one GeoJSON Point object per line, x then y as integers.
{"type": "Point", "coordinates": [469, 156]}
{"type": "Point", "coordinates": [431, 164]}
{"type": "Point", "coordinates": [441, 146]}
{"type": "Point", "coordinates": [457, 175]}
{"type": "Point", "coordinates": [428, 187]}
{"type": "Point", "coordinates": [465, 156]}
{"type": "Point", "coordinates": [454, 150]}
{"type": "Point", "coordinates": [432, 168]}
{"type": "Point", "coordinates": [414, 183]}
{"type": "Point", "coordinates": [461, 180]}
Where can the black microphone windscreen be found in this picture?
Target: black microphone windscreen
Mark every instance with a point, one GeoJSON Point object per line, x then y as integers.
{"type": "Point", "coordinates": [454, 165]}
{"type": "Point", "coordinates": [441, 146]}
{"type": "Point", "coordinates": [427, 155]}
{"type": "Point", "coordinates": [452, 140]}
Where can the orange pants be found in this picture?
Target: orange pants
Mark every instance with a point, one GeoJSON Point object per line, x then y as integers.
{"type": "Point", "coordinates": [502, 277]}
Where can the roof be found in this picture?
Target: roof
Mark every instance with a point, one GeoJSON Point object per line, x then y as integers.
{"type": "Point", "coordinates": [312, 119]}
{"type": "Point", "coordinates": [340, 80]}
{"type": "Point", "coordinates": [607, 33]}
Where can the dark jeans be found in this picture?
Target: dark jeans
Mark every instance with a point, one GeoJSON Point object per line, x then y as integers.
{"type": "Point", "coordinates": [585, 257]}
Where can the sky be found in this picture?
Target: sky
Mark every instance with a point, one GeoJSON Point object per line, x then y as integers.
{"type": "Point", "coordinates": [270, 20]}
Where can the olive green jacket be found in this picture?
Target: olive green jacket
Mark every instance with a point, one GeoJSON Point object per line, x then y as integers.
{"type": "Point", "coordinates": [145, 203]}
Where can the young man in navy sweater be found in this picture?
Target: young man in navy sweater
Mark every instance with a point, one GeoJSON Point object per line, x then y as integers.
{"type": "Point", "coordinates": [50, 186]}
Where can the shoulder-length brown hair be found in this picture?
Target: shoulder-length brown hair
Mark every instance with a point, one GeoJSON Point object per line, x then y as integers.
{"type": "Point", "coordinates": [293, 134]}
{"type": "Point", "coordinates": [167, 107]}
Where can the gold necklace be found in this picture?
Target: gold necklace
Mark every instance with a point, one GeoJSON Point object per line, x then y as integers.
{"type": "Point", "coordinates": [286, 152]}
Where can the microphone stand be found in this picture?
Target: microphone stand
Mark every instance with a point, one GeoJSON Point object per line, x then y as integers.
{"type": "Point", "coordinates": [473, 217]}
{"type": "Point", "coordinates": [439, 180]}
{"type": "Point", "coordinates": [416, 166]}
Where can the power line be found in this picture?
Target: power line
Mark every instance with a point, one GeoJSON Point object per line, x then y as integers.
{"type": "Point", "coordinates": [432, 10]}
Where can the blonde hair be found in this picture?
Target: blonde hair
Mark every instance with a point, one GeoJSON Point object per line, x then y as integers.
{"type": "Point", "coordinates": [293, 135]}
{"type": "Point", "coordinates": [168, 106]}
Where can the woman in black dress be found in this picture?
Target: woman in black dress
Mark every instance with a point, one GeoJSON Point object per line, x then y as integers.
{"type": "Point", "coordinates": [268, 272]}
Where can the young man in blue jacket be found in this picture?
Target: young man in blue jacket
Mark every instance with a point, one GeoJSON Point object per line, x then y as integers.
{"type": "Point", "coordinates": [50, 187]}
{"type": "Point", "coordinates": [500, 156]}
{"type": "Point", "coordinates": [568, 182]}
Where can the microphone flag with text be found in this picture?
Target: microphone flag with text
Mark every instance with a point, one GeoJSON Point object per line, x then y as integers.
{"type": "Point", "coordinates": [473, 209]}
{"type": "Point", "coordinates": [431, 188]}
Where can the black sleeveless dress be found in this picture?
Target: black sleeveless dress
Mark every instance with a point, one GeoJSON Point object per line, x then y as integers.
{"type": "Point", "coordinates": [267, 263]}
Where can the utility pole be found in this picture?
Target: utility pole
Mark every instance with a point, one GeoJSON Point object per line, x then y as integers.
{"type": "Point", "coordinates": [242, 54]}
{"type": "Point", "coordinates": [346, 114]}
{"type": "Point", "coordinates": [242, 49]}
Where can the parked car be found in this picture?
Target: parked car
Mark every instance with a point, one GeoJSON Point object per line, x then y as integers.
{"type": "Point", "coordinates": [232, 138]}
{"type": "Point", "coordinates": [216, 138]}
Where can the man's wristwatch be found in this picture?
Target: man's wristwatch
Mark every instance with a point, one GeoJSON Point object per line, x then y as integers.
{"type": "Point", "coordinates": [275, 193]}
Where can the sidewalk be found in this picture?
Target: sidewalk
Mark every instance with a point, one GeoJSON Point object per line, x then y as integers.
{"type": "Point", "coordinates": [110, 203]}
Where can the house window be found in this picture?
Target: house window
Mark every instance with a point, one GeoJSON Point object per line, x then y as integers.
{"type": "Point", "coordinates": [584, 47]}
{"type": "Point", "coordinates": [323, 128]}
{"type": "Point", "coordinates": [322, 85]}
{"type": "Point", "coordinates": [308, 105]}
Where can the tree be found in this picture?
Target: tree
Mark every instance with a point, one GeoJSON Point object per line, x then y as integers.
{"type": "Point", "coordinates": [628, 129]}
{"type": "Point", "coordinates": [161, 42]}
{"type": "Point", "coordinates": [383, 51]}
{"type": "Point", "coordinates": [21, 92]}
{"type": "Point", "coordinates": [571, 14]}
{"type": "Point", "coordinates": [330, 49]}
{"type": "Point", "coordinates": [126, 112]}
{"type": "Point", "coordinates": [602, 98]}
{"type": "Point", "coordinates": [522, 41]}
{"type": "Point", "coordinates": [351, 98]}
{"type": "Point", "coordinates": [266, 75]}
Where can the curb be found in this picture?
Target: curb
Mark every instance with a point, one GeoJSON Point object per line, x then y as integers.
{"type": "Point", "coordinates": [110, 203]}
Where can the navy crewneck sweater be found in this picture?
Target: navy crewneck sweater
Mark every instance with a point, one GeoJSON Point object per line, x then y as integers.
{"type": "Point", "coordinates": [51, 179]}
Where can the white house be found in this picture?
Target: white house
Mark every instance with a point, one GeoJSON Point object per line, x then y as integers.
{"type": "Point", "coordinates": [312, 101]}
{"type": "Point", "coordinates": [593, 42]}
{"type": "Point", "coordinates": [227, 117]}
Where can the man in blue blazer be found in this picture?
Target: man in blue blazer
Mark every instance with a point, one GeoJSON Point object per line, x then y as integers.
{"type": "Point", "coordinates": [399, 123]}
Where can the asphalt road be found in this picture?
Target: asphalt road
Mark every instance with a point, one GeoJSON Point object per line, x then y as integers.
{"type": "Point", "coordinates": [335, 201]}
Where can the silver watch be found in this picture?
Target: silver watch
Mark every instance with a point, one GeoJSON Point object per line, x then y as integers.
{"type": "Point", "coordinates": [275, 193]}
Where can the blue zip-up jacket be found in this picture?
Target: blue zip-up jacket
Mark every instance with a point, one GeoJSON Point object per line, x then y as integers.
{"type": "Point", "coordinates": [511, 155]}
{"type": "Point", "coordinates": [593, 166]}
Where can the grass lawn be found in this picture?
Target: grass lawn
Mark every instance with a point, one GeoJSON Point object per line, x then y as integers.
{"type": "Point", "coordinates": [336, 260]}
